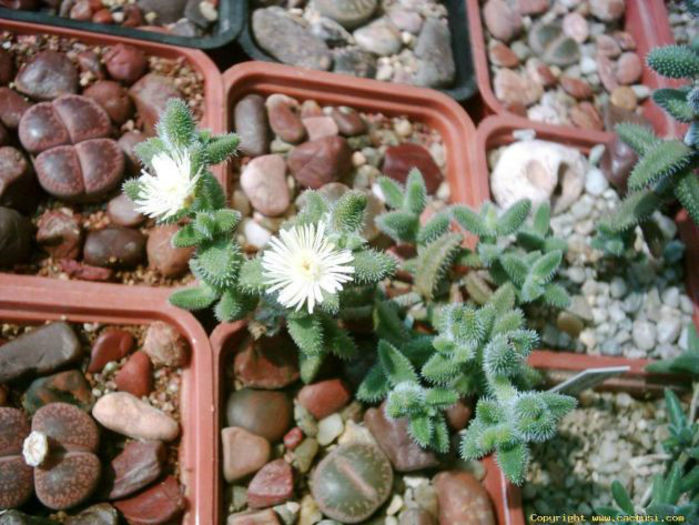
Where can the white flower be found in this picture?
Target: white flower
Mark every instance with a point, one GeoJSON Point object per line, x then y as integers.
{"type": "Point", "coordinates": [35, 448]}
{"type": "Point", "coordinates": [302, 264]}
{"type": "Point", "coordinates": [171, 189]}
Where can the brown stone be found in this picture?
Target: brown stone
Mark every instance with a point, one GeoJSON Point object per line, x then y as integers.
{"type": "Point", "coordinates": [320, 161]}
{"type": "Point", "coordinates": [284, 117]}
{"type": "Point", "coordinates": [111, 345]}
{"type": "Point", "coordinates": [85, 272]}
{"type": "Point", "coordinates": [69, 387]}
{"type": "Point", "coordinates": [516, 88]}
{"type": "Point", "coordinates": [266, 413]}
{"type": "Point", "coordinates": [584, 115]}
{"type": "Point", "coordinates": [89, 62]}
{"type": "Point", "coordinates": [257, 517]}
{"type": "Point", "coordinates": [163, 256]}
{"type": "Point", "coordinates": [115, 247]}
{"type": "Point", "coordinates": [325, 397]}
{"type": "Point", "coordinates": [127, 142]}
{"type": "Point", "coordinates": [459, 414]}
{"type": "Point", "coordinates": [60, 234]}
{"type": "Point", "coordinates": [462, 500]}
{"type": "Point", "coordinates": [503, 21]}
{"type": "Point", "coordinates": [136, 376]}
{"type": "Point", "coordinates": [349, 122]}
{"type": "Point", "coordinates": [272, 485]}
{"type": "Point", "coordinates": [400, 160]}
{"type": "Point", "coordinates": [503, 56]}
{"type": "Point", "coordinates": [137, 466]}
{"type": "Point", "coordinates": [394, 439]}
{"type": "Point", "coordinates": [165, 345]}
{"type": "Point", "coordinates": [160, 504]}
{"type": "Point", "coordinates": [244, 453]}
{"type": "Point", "coordinates": [624, 97]}
{"type": "Point", "coordinates": [113, 98]}
{"type": "Point", "coordinates": [122, 212]}
{"type": "Point", "coordinates": [268, 363]}
{"type": "Point", "coordinates": [629, 68]}
{"type": "Point", "coordinates": [125, 63]}
{"type": "Point", "coordinates": [576, 88]}
{"type": "Point", "coordinates": [150, 94]}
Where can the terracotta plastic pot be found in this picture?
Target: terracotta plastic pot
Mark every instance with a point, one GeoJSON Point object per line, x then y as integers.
{"type": "Point", "coordinates": [223, 32]}
{"type": "Point", "coordinates": [211, 119]}
{"type": "Point", "coordinates": [422, 105]}
{"type": "Point", "coordinates": [226, 339]}
{"type": "Point", "coordinates": [496, 131]}
{"type": "Point", "coordinates": [33, 300]}
{"type": "Point", "coordinates": [646, 21]}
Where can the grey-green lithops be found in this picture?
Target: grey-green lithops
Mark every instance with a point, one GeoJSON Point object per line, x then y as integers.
{"type": "Point", "coordinates": [352, 481]}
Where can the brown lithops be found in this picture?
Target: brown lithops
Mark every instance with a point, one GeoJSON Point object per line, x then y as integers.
{"type": "Point", "coordinates": [15, 475]}
{"type": "Point", "coordinates": [48, 75]}
{"type": "Point", "coordinates": [70, 471]}
{"type": "Point", "coordinates": [82, 173]}
{"type": "Point", "coordinates": [69, 119]}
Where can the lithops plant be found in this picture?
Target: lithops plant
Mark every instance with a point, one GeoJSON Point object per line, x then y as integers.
{"type": "Point", "coordinates": [352, 481]}
{"type": "Point", "coordinates": [549, 42]}
{"type": "Point", "coordinates": [61, 447]}
{"type": "Point", "coordinates": [16, 485]}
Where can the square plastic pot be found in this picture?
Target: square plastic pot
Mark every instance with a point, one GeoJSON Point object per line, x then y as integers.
{"type": "Point", "coordinates": [225, 30]}
{"type": "Point", "coordinates": [226, 340]}
{"type": "Point", "coordinates": [33, 300]}
{"type": "Point", "coordinates": [465, 81]}
{"type": "Point", "coordinates": [201, 63]}
{"type": "Point", "coordinates": [429, 107]}
{"type": "Point", "coordinates": [497, 131]}
{"type": "Point", "coordinates": [646, 21]}
{"type": "Point", "coordinates": [213, 98]}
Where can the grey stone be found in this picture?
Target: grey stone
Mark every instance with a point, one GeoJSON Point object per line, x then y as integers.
{"type": "Point", "coordinates": [287, 40]}
{"type": "Point", "coordinates": [250, 123]}
{"type": "Point", "coordinates": [348, 13]}
{"type": "Point", "coordinates": [644, 335]}
{"type": "Point", "coordinates": [380, 37]}
{"type": "Point", "coordinates": [436, 65]}
{"type": "Point", "coordinates": [354, 61]}
{"type": "Point", "coordinates": [167, 11]}
{"type": "Point", "coordinates": [39, 352]}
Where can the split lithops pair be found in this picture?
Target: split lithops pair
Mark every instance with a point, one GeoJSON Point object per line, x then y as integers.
{"type": "Point", "coordinates": [58, 452]}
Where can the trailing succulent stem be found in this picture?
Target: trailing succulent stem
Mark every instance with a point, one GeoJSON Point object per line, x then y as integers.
{"type": "Point", "coordinates": [477, 351]}
{"type": "Point", "coordinates": [666, 169]}
{"type": "Point", "coordinates": [525, 256]}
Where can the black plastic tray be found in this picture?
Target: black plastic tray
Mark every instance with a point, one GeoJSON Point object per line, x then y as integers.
{"type": "Point", "coordinates": [231, 18]}
{"type": "Point", "coordinates": [465, 82]}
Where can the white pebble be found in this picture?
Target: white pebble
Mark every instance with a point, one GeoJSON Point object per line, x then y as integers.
{"type": "Point", "coordinates": [524, 134]}
{"type": "Point", "coordinates": [329, 428]}
{"type": "Point", "coordinates": [395, 505]}
{"type": "Point", "coordinates": [644, 335]}
{"type": "Point", "coordinates": [595, 182]}
{"type": "Point", "coordinates": [256, 235]}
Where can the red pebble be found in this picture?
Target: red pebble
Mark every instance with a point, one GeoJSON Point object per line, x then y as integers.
{"type": "Point", "coordinates": [293, 438]}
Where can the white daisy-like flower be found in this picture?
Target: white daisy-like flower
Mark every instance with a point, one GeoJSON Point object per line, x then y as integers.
{"type": "Point", "coordinates": [302, 264]}
{"type": "Point", "coordinates": [170, 189]}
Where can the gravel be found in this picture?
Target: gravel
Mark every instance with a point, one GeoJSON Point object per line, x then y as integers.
{"type": "Point", "coordinates": [608, 437]}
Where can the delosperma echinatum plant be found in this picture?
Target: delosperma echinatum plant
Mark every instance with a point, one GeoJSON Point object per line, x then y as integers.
{"type": "Point", "coordinates": [320, 275]}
